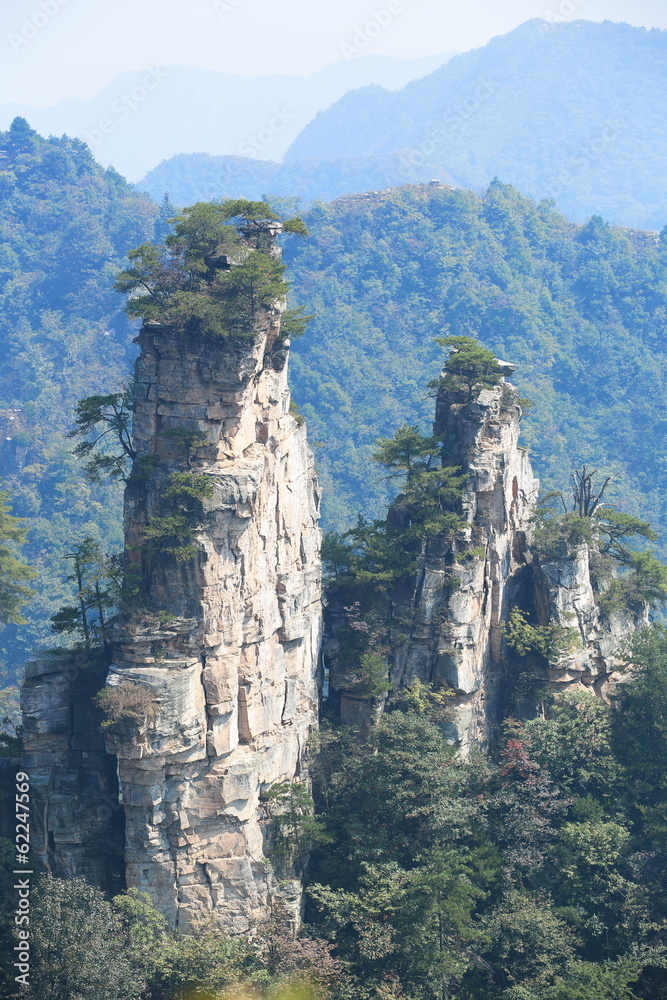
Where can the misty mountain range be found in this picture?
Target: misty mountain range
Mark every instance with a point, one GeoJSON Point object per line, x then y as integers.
{"type": "Point", "coordinates": [576, 112]}
{"type": "Point", "coordinates": [142, 118]}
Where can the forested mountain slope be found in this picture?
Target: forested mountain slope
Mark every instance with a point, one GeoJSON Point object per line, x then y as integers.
{"type": "Point", "coordinates": [65, 227]}
{"type": "Point", "coordinates": [582, 311]}
{"type": "Point", "coordinates": [574, 111]}
{"type": "Point", "coordinates": [192, 177]}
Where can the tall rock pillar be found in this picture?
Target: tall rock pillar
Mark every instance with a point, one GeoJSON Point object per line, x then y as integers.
{"type": "Point", "coordinates": [225, 648]}
{"type": "Point", "coordinates": [464, 587]}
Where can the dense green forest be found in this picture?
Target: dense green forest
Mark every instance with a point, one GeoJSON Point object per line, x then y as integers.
{"type": "Point", "coordinates": [534, 871]}
{"type": "Point", "coordinates": [65, 227]}
{"type": "Point", "coordinates": [582, 312]}
{"type": "Point", "coordinates": [537, 873]}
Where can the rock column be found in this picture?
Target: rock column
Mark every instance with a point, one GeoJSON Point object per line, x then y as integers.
{"type": "Point", "coordinates": [464, 589]}
{"type": "Point", "coordinates": [226, 648]}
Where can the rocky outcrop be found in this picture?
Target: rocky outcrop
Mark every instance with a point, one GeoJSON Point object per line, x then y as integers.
{"type": "Point", "coordinates": [464, 588]}
{"type": "Point", "coordinates": [76, 823]}
{"type": "Point", "coordinates": [212, 687]}
{"type": "Point", "coordinates": [211, 691]}
{"type": "Point", "coordinates": [224, 657]}
{"type": "Point", "coordinates": [448, 627]}
{"type": "Point", "coordinates": [565, 595]}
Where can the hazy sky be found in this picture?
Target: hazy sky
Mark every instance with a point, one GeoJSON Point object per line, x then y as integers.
{"type": "Point", "coordinates": [72, 48]}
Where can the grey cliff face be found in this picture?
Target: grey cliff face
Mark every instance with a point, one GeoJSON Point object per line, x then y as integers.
{"type": "Point", "coordinates": [76, 823]}
{"type": "Point", "coordinates": [231, 658]}
{"type": "Point", "coordinates": [452, 617]}
{"type": "Point", "coordinates": [456, 640]}
{"type": "Point", "coordinates": [565, 595]}
{"type": "Point", "coordinates": [223, 646]}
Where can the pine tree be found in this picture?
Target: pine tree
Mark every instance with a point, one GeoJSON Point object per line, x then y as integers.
{"type": "Point", "coordinates": [14, 573]}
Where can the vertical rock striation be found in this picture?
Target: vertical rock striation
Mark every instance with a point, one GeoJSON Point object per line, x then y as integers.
{"type": "Point", "coordinates": [214, 681]}
{"type": "Point", "coordinates": [226, 652]}
{"type": "Point", "coordinates": [76, 823]}
{"type": "Point", "coordinates": [447, 628]}
{"type": "Point", "coordinates": [464, 588]}
{"type": "Point", "coordinates": [565, 594]}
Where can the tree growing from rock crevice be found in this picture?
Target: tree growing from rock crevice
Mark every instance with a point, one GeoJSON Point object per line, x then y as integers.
{"type": "Point", "coordinates": [214, 272]}
{"type": "Point", "coordinates": [468, 370]}
{"type": "Point", "coordinates": [612, 537]}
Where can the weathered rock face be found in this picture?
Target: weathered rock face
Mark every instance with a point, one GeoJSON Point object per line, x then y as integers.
{"type": "Point", "coordinates": [227, 651]}
{"type": "Point", "coordinates": [456, 640]}
{"type": "Point", "coordinates": [565, 595]}
{"type": "Point", "coordinates": [451, 621]}
{"type": "Point", "coordinates": [76, 823]}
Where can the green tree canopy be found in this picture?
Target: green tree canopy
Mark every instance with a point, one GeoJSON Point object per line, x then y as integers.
{"type": "Point", "coordinates": [214, 271]}
{"type": "Point", "coordinates": [469, 367]}
{"type": "Point", "coordinates": [77, 947]}
{"type": "Point", "coordinates": [640, 732]}
{"type": "Point", "coordinates": [14, 574]}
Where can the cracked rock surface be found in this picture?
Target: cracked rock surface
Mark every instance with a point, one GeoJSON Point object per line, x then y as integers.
{"type": "Point", "coordinates": [456, 639]}
{"type": "Point", "coordinates": [230, 658]}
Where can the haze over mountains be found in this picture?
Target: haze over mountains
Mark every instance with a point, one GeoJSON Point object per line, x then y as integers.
{"type": "Point", "coordinates": [141, 118]}
{"type": "Point", "coordinates": [573, 111]}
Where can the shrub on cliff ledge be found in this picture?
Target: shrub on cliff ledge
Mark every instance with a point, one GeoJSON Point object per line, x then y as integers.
{"type": "Point", "coordinates": [128, 701]}
{"type": "Point", "coordinates": [174, 532]}
{"type": "Point", "coordinates": [610, 535]}
{"type": "Point", "coordinates": [551, 641]}
{"type": "Point", "coordinates": [214, 273]}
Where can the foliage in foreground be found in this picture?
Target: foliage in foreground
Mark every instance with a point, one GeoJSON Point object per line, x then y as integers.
{"type": "Point", "coordinates": [536, 872]}
{"type": "Point", "coordinates": [85, 946]}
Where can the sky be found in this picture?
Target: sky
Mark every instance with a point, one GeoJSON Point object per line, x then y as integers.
{"type": "Point", "coordinates": [55, 49]}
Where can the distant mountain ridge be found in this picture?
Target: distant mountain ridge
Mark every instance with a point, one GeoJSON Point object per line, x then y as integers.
{"type": "Point", "coordinates": [199, 177]}
{"type": "Point", "coordinates": [141, 118]}
{"type": "Point", "coordinates": [572, 111]}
